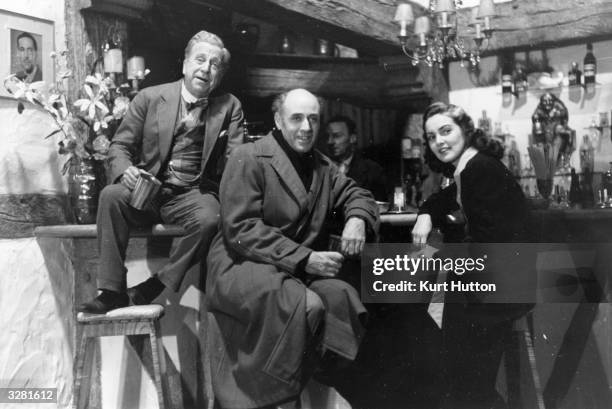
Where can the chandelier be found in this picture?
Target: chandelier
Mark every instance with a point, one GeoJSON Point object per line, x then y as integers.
{"type": "Point", "coordinates": [445, 42]}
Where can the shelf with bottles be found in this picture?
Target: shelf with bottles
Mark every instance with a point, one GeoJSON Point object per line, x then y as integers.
{"type": "Point", "coordinates": [586, 190]}
{"type": "Point", "coordinates": [580, 84]}
{"type": "Point", "coordinates": [578, 91]}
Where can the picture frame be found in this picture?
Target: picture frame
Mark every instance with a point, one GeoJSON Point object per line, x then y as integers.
{"type": "Point", "coordinates": [28, 41]}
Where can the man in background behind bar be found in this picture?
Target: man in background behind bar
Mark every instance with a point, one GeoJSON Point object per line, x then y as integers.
{"type": "Point", "coordinates": [181, 133]}
{"type": "Point", "coordinates": [341, 141]}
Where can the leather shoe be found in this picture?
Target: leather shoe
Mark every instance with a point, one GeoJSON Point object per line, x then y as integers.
{"type": "Point", "coordinates": [145, 292]}
{"type": "Point", "coordinates": [104, 302]}
{"type": "Point", "coordinates": [136, 297]}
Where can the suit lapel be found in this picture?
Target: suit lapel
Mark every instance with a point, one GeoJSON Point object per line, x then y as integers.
{"type": "Point", "coordinates": [213, 122]}
{"type": "Point", "coordinates": [167, 112]}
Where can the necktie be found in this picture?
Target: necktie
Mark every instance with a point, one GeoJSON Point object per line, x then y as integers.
{"type": "Point", "coordinates": [194, 112]}
{"type": "Point", "coordinates": [202, 102]}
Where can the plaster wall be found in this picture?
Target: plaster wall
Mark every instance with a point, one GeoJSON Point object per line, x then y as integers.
{"type": "Point", "coordinates": [36, 349]}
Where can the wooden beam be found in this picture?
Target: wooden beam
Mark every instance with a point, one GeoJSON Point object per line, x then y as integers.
{"type": "Point", "coordinates": [126, 9]}
{"type": "Point", "coordinates": [368, 24]}
{"type": "Point", "coordinates": [362, 81]}
{"type": "Point", "coordinates": [338, 83]}
{"type": "Point", "coordinates": [525, 24]}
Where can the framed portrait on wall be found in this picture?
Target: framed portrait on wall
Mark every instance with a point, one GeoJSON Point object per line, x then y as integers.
{"type": "Point", "coordinates": [27, 42]}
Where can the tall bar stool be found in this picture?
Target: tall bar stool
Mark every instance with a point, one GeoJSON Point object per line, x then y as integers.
{"type": "Point", "coordinates": [129, 321]}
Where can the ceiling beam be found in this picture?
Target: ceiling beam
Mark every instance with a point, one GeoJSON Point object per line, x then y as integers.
{"type": "Point", "coordinates": [368, 24]}
{"type": "Point", "coordinates": [129, 9]}
{"type": "Point", "coordinates": [365, 25]}
{"type": "Point", "coordinates": [524, 23]}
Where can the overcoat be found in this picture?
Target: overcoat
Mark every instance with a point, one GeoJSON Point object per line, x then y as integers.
{"type": "Point", "coordinates": [269, 226]}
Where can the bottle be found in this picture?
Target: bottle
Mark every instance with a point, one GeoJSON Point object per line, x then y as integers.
{"type": "Point", "coordinates": [588, 197]}
{"type": "Point", "coordinates": [399, 199]}
{"type": "Point", "coordinates": [606, 182]}
{"type": "Point", "coordinates": [514, 160]}
{"type": "Point", "coordinates": [587, 160]}
{"type": "Point", "coordinates": [574, 76]}
{"type": "Point", "coordinates": [498, 133]}
{"type": "Point", "coordinates": [484, 123]}
{"type": "Point", "coordinates": [590, 69]}
{"type": "Point", "coordinates": [575, 194]}
{"type": "Point", "coordinates": [506, 81]}
{"type": "Point", "coordinates": [520, 81]}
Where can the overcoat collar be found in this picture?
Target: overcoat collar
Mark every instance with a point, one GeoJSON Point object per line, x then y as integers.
{"type": "Point", "coordinates": [287, 173]}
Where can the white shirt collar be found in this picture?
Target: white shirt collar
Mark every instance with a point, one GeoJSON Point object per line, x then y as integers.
{"type": "Point", "coordinates": [348, 160]}
{"type": "Point", "coordinates": [465, 157]}
{"type": "Point", "coordinates": [187, 96]}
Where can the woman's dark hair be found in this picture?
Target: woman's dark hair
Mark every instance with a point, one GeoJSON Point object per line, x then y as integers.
{"type": "Point", "coordinates": [473, 136]}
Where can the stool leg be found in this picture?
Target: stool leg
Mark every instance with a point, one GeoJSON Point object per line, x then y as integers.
{"type": "Point", "coordinates": [532, 366]}
{"type": "Point", "coordinates": [159, 366]}
{"type": "Point", "coordinates": [513, 371]}
{"type": "Point", "coordinates": [210, 394]}
{"type": "Point", "coordinates": [84, 363]}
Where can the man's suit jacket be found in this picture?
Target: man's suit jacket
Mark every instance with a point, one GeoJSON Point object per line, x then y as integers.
{"type": "Point", "coordinates": [369, 175]}
{"type": "Point", "coordinates": [144, 138]}
{"type": "Point", "coordinates": [22, 75]}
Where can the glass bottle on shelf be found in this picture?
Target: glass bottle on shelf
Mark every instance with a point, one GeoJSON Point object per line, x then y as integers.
{"type": "Point", "coordinates": [588, 196]}
{"type": "Point", "coordinates": [506, 83]}
{"type": "Point", "coordinates": [606, 187]}
{"type": "Point", "coordinates": [498, 133]}
{"type": "Point", "coordinates": [514, 157]}
{"type": "Point", "coordinates": [574, 76]}
{"type": "Point", "coordinates": [590, 69]}
{"type": "Point", "coordinates": [587, 154]}
{"type": "Point", "coordinates": [484, 123]}
{"type": "Point", "coordinates": [575, 193]}
{"type": "Point", "coordinates": [520, 81]}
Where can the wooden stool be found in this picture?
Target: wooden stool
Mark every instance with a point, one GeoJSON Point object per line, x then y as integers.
{"type": "Point", "coordinates": [522, 334]}
{"type": "Point", "coordinates": [135, 320]}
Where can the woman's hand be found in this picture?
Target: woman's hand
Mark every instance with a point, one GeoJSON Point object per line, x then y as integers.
{"type": "Point", "coordinates": [421, 229]}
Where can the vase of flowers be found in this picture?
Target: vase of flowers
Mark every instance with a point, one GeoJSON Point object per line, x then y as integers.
{"type": "Point", "coordinates": [85, 128]}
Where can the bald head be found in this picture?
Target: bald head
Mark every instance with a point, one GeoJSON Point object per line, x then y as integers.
{"type": "Point", "coordinates": [297, 116]}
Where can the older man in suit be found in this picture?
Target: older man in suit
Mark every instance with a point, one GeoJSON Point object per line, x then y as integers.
{"type": "Point", "coordinates": [273, 288]}
{"type": "Point", "coordinates": [181, 132]}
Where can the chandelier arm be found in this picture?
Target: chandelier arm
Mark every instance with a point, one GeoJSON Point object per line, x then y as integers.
{"type": "Point", "coordinates": [410, 54]}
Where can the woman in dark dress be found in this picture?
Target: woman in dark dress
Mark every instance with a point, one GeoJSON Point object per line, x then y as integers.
{"type": "Point", "coordinates": [487, 197]}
